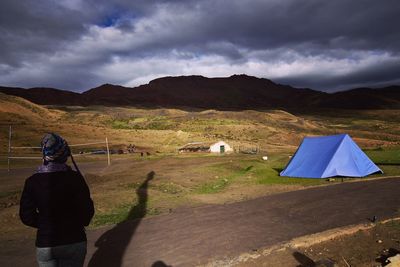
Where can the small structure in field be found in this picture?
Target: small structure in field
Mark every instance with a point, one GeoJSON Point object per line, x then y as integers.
{"type": "Point", "coordinates": [195, 147]}
{"type": "Point", "coordinates": [218, 147]}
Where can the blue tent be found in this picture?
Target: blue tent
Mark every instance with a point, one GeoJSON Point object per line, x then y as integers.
{"type": "Point", "coordinates": [327, 156]}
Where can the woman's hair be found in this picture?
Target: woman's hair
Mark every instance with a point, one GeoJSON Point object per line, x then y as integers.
{"type": "Point", "coordinates": [54, 148]}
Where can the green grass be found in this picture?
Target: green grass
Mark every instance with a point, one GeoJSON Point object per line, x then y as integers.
{"type": "Point", "coordinates": [170, 123]}
{"type": "Point", "coordinates": [120, 124]}
{"type": "Point", "coordinates": [215, 186]}
{"type": "Point", "coordinates": [267, 173]}
{"type": "Point", "coordinates": [122, 213]}
{"type": "Point", "coordinates": [230, 174]}
{"type": "Point", "coordinates": [257, 171]}
{"type": "Point", "coordinates": [252, 171]}
{"type": "Point", "coordinates": [388, 159]}
{"type": "Point", "coordinates": [144, 123]}
{"type": "Point", "coordinates": [384, 156]}
{"type": "Point", "coordinates": [388, 170]}
{"type": "Point", "coordinates": [117, 215]}
{"type": "Point", "coordinates": [168, 188]}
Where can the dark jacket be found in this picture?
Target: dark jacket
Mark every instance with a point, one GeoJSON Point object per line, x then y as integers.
{"type": "Point", "coordinates": [58, 204]}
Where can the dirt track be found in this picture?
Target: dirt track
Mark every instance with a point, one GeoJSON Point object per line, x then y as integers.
{"type": "Point", "coordinates": [194, 236]}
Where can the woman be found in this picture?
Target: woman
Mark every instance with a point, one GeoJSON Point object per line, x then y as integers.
{"type": "Point", "coordinates": [56, 200]}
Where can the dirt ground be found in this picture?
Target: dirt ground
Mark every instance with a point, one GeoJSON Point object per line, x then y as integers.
{"type": "Point", "coordinates": [177, 179]}
{"type": "Point", "coordinates": [365, 248]}
{"type": "Point", "coordinates": [113, 187]}
{"type": "Point", "coordinates": [195, 236]}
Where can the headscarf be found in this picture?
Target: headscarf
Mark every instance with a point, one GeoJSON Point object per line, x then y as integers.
{"type": "Point", "coordinates": [54, 148]}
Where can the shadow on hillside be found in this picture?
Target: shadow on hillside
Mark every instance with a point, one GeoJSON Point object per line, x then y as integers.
{"type": "Point", "coordinates": [112, 244]}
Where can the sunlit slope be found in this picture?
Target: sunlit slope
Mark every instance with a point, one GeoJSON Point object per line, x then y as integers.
{"type": "Point", "coordinates": [165, 130]}
{"type": "Point", "coordinates": [16, 110]}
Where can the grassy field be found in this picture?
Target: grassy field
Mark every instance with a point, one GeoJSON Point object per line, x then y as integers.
{"type": "Point", "coordinates": [183, 180]}
{"type": "Point", "coordinates": [192, 181]}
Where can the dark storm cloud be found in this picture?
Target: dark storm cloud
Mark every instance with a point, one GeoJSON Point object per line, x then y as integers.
{"type": "Point", "coordinates": [30, 27]}
{"type": "Point", "coordinates": [322, 44]}
{"type": "Point", "coordinates": [383, 74]}
{"type": "Point", "coordinates": [311, 26]}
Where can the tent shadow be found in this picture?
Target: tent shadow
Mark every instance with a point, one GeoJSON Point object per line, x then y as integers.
{"type": "Point", "coordinates": [112, 244]}
{"type": "Point", "coordinates": [388, 163]}
{"type": "Point", "coordinates": [278, 170]}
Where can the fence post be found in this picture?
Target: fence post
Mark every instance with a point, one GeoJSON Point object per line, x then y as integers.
{"type": "Point", "coordinates": [9, 148]}
{"type": "Point", "coordinates": [108, 153]}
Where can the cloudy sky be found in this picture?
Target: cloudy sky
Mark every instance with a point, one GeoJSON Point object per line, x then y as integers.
{"type": "Point", "coordinates": [80, 44]}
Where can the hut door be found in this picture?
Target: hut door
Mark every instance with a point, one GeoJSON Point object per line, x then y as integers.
{"type": "Point", "coordinates": [222, 149]}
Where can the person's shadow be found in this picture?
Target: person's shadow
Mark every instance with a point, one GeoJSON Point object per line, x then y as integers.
{"type": "Point", "coordinates": [112, 244]}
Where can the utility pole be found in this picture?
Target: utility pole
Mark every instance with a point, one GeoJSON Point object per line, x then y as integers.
{"type": "Point", "coordinates": [9, 147]}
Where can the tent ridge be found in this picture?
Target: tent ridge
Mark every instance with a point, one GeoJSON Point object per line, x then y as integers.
{"type": "Point", "coordinates": [333, 155]}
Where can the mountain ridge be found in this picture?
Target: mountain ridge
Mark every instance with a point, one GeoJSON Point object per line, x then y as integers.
{"type": "Point", "coordinates": [234, 92]}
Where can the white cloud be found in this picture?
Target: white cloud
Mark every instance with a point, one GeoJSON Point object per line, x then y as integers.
{"type": "Point", "coordinates": [133, 72]}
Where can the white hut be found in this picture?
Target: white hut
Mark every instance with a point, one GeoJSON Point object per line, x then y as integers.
{"type": "Point", "coordinates": [220, 147]}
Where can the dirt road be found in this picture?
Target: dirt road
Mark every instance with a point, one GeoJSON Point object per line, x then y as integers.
{"type": "Point", "coordinates": [194, 236]}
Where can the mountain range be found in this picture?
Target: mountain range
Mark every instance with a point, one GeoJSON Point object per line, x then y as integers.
{"type": "Point", "coordinates": [234, 92]}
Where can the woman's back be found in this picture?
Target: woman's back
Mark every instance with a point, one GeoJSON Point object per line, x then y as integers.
{"type": "Point", "coordinates": [59, 205]}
